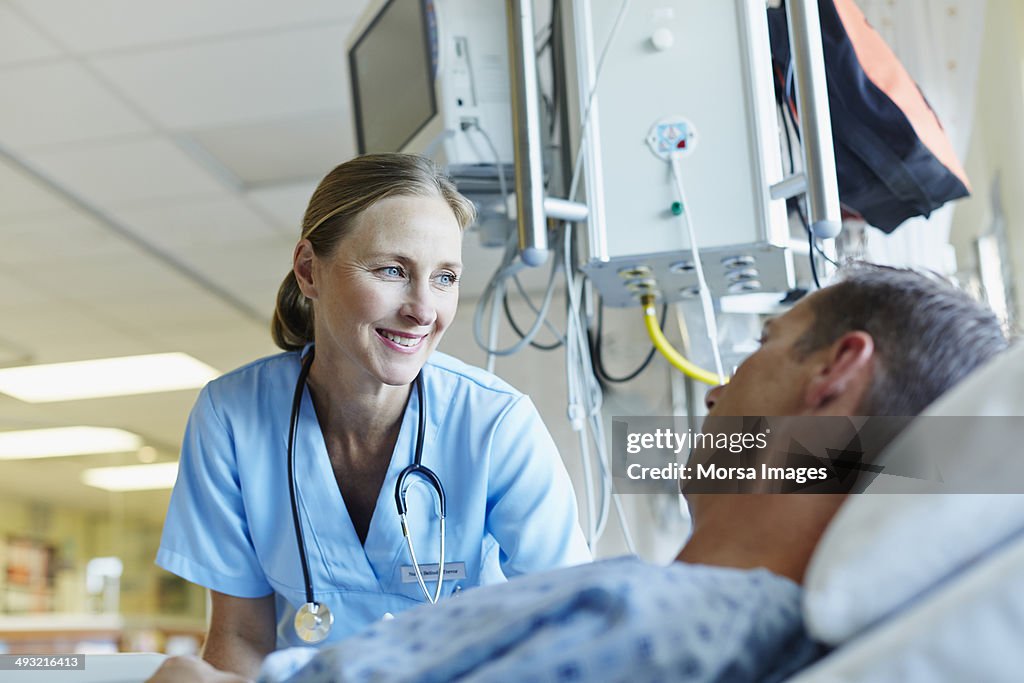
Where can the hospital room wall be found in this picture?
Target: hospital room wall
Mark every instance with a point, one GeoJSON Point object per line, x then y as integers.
{"type": "Point", "coordinates": [995, 161]}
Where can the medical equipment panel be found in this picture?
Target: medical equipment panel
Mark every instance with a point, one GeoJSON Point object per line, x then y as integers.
{"type": "Point", "coordinates": [684, 100]}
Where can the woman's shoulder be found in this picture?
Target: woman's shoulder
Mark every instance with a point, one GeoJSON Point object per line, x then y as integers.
{"type": "Point", "coordinates": [257, 376]}
{"type": "Point", "coordinates": [468, 378]}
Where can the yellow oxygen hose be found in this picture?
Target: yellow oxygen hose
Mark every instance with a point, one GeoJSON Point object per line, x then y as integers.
{"type": "Point", "coordinates": [674, 357]}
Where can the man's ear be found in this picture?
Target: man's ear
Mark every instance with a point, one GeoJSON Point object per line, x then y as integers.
{"type": "Point", "coordinates": [303, 261]}
{"type": "Point", "coordinates": [845, 375]}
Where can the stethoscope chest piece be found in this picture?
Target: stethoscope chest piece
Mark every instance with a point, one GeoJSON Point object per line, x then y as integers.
{"type": "Point", "coordinates": [313, 622]}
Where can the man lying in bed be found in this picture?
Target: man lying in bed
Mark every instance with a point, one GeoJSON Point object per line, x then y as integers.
{"type": "Point", "coordinates": [880, 342]}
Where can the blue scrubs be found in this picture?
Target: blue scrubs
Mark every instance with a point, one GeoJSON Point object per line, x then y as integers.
{"type": "Point", "coordinates": [510, 504]}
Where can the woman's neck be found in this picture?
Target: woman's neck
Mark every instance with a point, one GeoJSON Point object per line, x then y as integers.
{"type": "Point", "coordinates": [355, 414]}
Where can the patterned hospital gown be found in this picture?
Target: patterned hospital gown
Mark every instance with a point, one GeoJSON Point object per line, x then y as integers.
{"type": "Point", "coordinates": [614, 620]}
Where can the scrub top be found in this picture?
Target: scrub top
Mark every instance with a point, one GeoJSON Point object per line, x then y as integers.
{"type": "Point", "coordinates": [510, 504]}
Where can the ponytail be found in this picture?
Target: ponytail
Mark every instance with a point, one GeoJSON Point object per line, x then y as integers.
{"type": "Point", "coordinates": [292, 327]}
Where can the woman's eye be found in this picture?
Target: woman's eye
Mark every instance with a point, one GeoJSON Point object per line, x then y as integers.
{"type": "Point", "coordinates": [391, 271]}
{"type": "Point", "coordinates": [448, 279]}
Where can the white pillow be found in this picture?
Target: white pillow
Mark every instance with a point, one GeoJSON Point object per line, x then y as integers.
{"type": "Point", "coordinates": [883, 550]}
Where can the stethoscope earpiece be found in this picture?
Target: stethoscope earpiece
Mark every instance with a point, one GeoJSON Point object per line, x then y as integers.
{"type": "Point", "coordinates": [313, 620]}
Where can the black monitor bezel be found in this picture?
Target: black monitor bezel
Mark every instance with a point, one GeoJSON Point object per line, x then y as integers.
{"type": "Point", "coordinates": [354, 78]}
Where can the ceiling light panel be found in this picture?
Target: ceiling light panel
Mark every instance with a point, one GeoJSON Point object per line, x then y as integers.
{"type": "Point", "coordinates": [64, 441]}
{"type": "Point", "coordinates": [132, 477]}
{"type": "Point", "coordinates": [105, 377]}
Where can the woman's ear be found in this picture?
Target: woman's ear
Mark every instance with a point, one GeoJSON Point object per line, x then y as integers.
{"type": "Point", "coordinates": [842, 382]}
{"type": "Point", "coordinates": [303, 261]}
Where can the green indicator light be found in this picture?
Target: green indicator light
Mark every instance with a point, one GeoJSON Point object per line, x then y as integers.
{"type": "Point", "coordinates": [677, 208]}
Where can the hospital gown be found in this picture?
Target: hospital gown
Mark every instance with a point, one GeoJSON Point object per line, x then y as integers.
{"type": "Point", "coordinates": [614, 620]}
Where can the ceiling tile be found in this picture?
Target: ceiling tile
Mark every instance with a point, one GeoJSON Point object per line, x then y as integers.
{"type": "Point", "coordinates": [59, 103]}
{"type": "Point", "coordinates": [65, 332]}
{"type": "Point", "coordinates": [22, 195]}
{"type": "Point", "coordinates": [224, 349]}
{"type": "Point", "coordinates": [252, 260]}
{"type": "Point", "coordinates": [58, 240]}
{"type": "Point", "coordinates": [22, 42]}
{"type": "Point", "coordinates": [279, 152]}
{"type": "Point", "coordinates": [286, 203]}
{"type": "Point", "coordinates": [199, 223]}
{"type": "Point", "coordinates": [122, 172]}
{"type": "Point", "coordinates": [272, 76]}
{"type": "Point", "coordinates": [88, 27]}
{"type": "Point", "coordinates": [18, 295]}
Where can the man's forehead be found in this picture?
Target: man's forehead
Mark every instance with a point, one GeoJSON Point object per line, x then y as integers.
{"type": "Point", "coordinates": [800, 314]}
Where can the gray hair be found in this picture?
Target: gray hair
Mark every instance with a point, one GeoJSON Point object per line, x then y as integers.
{"type": "Point", "coordinates": [928, 334]}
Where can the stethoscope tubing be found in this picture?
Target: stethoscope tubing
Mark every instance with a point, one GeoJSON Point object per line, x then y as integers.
{"type": "Point", "coordinates": [417, 468]}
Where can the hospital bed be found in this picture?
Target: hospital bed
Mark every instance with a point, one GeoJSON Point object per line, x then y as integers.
{"type": "Point", "coordinates": [930, 586]}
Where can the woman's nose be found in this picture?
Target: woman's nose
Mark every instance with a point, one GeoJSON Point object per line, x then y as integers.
{"type": "Point", "coordinates": [420, 307]}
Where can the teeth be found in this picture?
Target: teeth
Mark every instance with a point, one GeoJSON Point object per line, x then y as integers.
{"type": "Point", "coordinates": [401, 341]}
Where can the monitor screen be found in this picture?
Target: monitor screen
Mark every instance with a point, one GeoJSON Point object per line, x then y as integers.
{"type": "Point", "coordinates": [392, 77]}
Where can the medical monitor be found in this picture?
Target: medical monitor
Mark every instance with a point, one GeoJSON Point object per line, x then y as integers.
{"type": "Point", "coordinates": [431, 77]}
{"type": "Point", "coordinates": [392, 71]}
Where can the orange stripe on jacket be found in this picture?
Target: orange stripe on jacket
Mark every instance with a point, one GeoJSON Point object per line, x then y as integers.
{"type": "Point", "coordinates": [884, 69]}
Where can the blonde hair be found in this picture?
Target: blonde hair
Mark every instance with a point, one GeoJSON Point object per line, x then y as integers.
{"type": "Point", "coordinates": [342, 195]}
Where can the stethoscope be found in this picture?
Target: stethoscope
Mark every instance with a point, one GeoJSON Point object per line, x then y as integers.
{"type": "Point", "coordinates": [314, 619]}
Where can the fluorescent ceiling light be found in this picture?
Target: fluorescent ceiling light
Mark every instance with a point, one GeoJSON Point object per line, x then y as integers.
{"type": "Point", "coordinates": [105, 377]}
{"type": "Point", "coordinates": [59, 441]}
{"type": "Point", "coordinates": [132, 477]}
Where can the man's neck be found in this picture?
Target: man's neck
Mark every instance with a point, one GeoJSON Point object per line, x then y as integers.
{"type": "Point", "coordinates": [776, 531]}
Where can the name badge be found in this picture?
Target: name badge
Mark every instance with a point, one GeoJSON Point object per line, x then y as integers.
{"type": "Point", "coordinates": [452, 571]}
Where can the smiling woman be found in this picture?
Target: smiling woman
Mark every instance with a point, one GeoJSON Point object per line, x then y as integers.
{"type": "Point", "coordinates": [291, 465]}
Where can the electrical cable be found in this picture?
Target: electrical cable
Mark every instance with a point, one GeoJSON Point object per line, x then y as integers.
{"type": "Point", "coordinates": [707, 305]}
{"type": "Point", "coordinates": [810, 247]}
{"type": "Point", "coordinates": [583, 385]}
{"type": "Point", "coordinates": [466, 125]}
{"type": "Point", "coordinates": [585, 119]}
{"type": "Point", "coordinates": [812, 242]}
{"type": "Point", "coordinates": [584, 389]}
{"type": "Point", "coordinates": [492, 330]}
{"type": "Point", "coordinates": [674, 357]}
{"type": "Point", "coordinates": [595, 340]}
{"type": "Point", "coordinates": [494, 291]}
{"type": "Point", "coordinates": [515, 328]}
{"type": "Point", "coordinates": [491, 294]}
